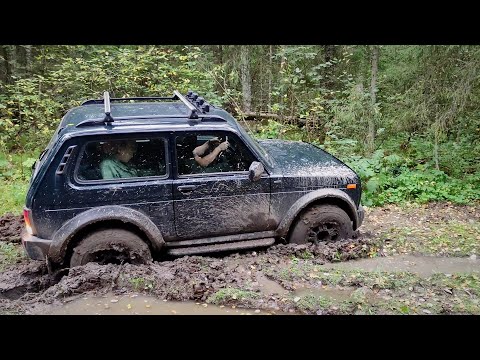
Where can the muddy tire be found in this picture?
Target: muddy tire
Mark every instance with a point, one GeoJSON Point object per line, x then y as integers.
{"type": "Point", "coordinates": [321, 223]}
{"type": "Point", "coordinates": [111, 246]}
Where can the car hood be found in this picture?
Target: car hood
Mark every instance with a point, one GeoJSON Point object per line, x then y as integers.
{"type": "Point", "coordinates": [295, 158]}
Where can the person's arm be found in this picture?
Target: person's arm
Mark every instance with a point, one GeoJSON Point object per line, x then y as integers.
{"type": "Point", "coordinates": [200, 150]}
{"type": "Point", "coordinates": [207, 160]}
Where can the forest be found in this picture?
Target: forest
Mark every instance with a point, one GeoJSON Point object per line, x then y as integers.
{"type": "Point", "coordinates": [405, 118]}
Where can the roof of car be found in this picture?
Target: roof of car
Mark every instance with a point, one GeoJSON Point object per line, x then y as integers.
{"type": "Point", "coordinates": [148, 110]}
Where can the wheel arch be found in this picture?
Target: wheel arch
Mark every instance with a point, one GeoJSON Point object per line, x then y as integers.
{"type": "Point", "coordinates": [76, 228]}
{"type": "Point", "coordinates": [317, 197]}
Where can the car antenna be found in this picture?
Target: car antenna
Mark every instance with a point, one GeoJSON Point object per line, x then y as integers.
{"type": "Point", "coordinates": [106, 100]}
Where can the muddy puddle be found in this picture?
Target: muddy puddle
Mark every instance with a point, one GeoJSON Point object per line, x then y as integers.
{"type": "Point", "coordinates": [423, 266]}
{"type": "Point", "coordinates": [269, 287]}
{"type": "Point", "coordinates": [144, 305]}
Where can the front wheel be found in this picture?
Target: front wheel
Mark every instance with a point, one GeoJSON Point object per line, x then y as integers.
{"type": "Point", "coordinates": [111, 246]}
{"type": "Point", "coordinates": [320, 224]}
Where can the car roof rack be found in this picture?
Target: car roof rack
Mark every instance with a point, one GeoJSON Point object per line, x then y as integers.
{"type": "Point", "coordinates": [192, 101]}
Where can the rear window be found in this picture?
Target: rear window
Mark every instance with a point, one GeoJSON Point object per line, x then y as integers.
{"type": "Point", "coordinates": [123, 159]}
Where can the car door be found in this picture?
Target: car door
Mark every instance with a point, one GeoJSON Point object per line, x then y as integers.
{"type": "Point", "coordinates": [218, 199]}
{"type": "Point", "coordinates": [141, 181]}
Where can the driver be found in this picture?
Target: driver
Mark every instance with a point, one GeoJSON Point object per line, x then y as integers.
{"type": "Point", "coordinates": [205, 160]}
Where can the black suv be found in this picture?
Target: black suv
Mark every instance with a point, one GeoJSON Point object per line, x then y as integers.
{"type": "Point", "coordinates": [130, 178]}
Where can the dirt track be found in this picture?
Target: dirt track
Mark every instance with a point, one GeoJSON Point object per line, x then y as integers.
{"type": "Point", "coordinates": [284, 278]}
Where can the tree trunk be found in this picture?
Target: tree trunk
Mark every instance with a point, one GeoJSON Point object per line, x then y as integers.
{"type": "Point", "coordinates": [3, 64]}
{"type": "Point", "coordinates": [28, 58]}
{"type": "Point", "coordinates": [218, 55]}
{"type": "Point", "coordinates": [246, 78]}
{"type": "Point", "coordinates": [329, 51]}
{"type": "Point", "coordinates": [8, 62]}
{"type": "Point", "coordinates": [12, 60]}
{"type": "Point", "coordinates": [328, 72]}
{"type": "Point", "coordinates": [373, 97]}
{"type": "Point", "coordinates": [270, 76]}
{"type": "Point", "coordinates": [250, 115]}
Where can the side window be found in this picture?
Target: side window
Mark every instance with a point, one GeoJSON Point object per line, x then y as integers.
{"type": "Point", "coordinates": [118, 159]}
{"type": "Point", "coordinates": [211, 152]}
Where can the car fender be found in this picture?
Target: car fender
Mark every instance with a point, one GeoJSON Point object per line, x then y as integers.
{"type": "Point", "coordinates": [66, 233]}
{"type": "Point", "coordinates": [307, 199]}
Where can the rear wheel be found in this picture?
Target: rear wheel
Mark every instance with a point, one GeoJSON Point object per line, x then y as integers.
{"type": "Point", "coordinates": [111, 246]}
{"type": "Point", "coordinates": [321, 223]}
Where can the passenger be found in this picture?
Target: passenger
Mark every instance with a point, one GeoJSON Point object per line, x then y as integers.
{"type": "Point", "coordinates": [117, 165]}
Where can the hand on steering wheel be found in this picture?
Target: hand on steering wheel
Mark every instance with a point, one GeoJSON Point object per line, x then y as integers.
{"type": "Point", "coordinates": [223, 146]}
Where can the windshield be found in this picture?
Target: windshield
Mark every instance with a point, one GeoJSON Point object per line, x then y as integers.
{"type": "Point", "coordinates": [257, 146]}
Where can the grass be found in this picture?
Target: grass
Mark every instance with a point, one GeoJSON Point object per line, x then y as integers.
{"type": "Point", "coordinates": [464, 283]}
{"type": "Point", "coordinates": [10, 254]}
{"type": "Point", "coordinates": [449, 239]}
{"type": "Point", "coordinates": [313, 303]}
{"type": "Point", "coordinates": [140, 284]}
{"type": "Point", "coordinates": [15, 171]}
{"type": "Point", "coordinates": [308, 271]}
{"type": "Point", "coordinates": [226, 295]}
{"type": "Point", "coordinates": [393, 292]}
{"type": "Point", "coordinates": [12, 197]}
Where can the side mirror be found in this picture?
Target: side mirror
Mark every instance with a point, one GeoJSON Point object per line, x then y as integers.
{"type": "Point", "coordinates": [255, 171]}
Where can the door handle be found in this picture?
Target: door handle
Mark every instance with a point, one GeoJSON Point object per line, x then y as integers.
{"type": "Point", "coordinates": [186, 188]}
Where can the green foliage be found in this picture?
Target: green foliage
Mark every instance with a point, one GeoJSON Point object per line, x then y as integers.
{"type": "Point", "coordinates": [141, 284]}
{"type": "Point", "coordinates": [227, 295]}
{"type": "Point", "coordinates": [10, 254]}
{"type": "Point", "coordinates": [32, 107]}
{"type": "Point", "coordinates": [426, 117]}
{"type": "Point", "coordinates": [312, 303]}
{"type": "Point", "coordinates": [276, 130]}
{"type": "Point", "coordinates": [15, 172]}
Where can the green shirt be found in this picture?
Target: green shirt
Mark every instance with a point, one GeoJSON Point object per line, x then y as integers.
{"type": "Point", "coordinates": [114, 169]}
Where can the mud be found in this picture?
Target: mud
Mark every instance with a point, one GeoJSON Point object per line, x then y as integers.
{"type": "Point", "coordinates": [10, 228]}
{"type": "Point", "coordinates": [27, 288]}
{"type": "Point", "coordinates": [290, 279]}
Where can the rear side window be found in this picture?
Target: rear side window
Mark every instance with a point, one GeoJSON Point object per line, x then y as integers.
{"type": "Point", "coordinates": [121, 159]}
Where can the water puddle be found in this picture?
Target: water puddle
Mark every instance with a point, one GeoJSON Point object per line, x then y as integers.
{"type": "Point", "coordinates": [423, 266]}
{"type": "Point", "coordinates": [269, 287]}
{"type": "Point", "coordinates": [145, 305]}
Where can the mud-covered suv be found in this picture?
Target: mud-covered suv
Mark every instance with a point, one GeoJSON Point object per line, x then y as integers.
{"type": "Point", "coordinates": [131, 178]}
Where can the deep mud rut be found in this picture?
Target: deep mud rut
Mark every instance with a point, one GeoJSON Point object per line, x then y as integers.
{"type": "Point", "coordinates": [283, 279]}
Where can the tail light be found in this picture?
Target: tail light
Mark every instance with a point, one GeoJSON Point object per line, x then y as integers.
{"type": "Point", "coordinates": [27, 216]}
